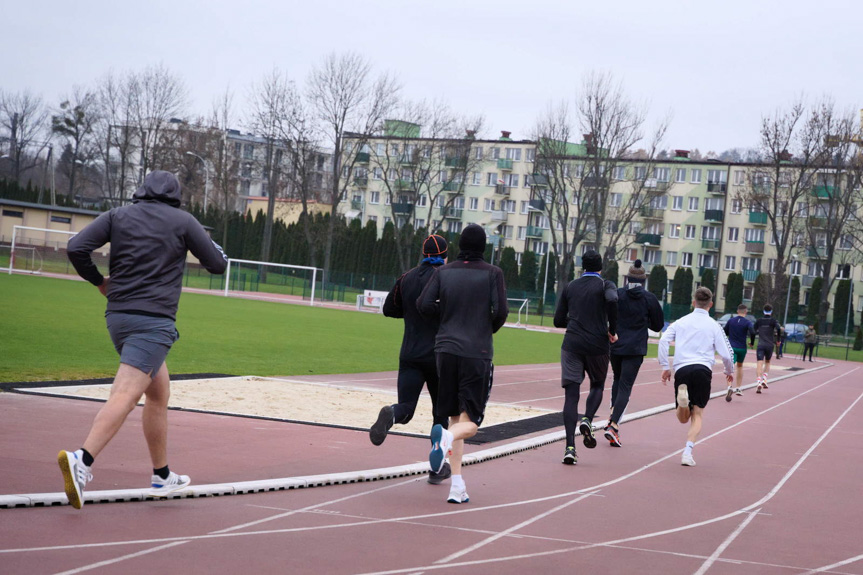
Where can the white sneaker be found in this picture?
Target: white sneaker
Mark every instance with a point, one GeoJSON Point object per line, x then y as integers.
{"type": "Point", "coordinates": [738, 392]}
{"type": "Point", "coordinates": [458, 495]}
{"type": "Point", "coordinates": [441, 440]}
{"type": "Point", "coordinates": [76, 475]}
{"type": "Point", "coordinates": [164, 487]}
{"type": "Point", "coordinates": [683, 396]}
{"type": "Point", "coordinates": [687, 460]}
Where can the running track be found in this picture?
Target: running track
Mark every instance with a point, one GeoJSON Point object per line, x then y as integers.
{"type": "Point", "coordinates": [777, 489]}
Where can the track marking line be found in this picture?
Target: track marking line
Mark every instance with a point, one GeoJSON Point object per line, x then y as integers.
{"type": "Point", "coordinates": [724, 545]}
{"type": "Point", "coordinates": [834, 565]}
{"type": "Point", "coordinates": [119, 559]}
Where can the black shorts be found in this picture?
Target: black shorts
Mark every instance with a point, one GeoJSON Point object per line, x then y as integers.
{"type": "Point", "coordinates": [697, 379]}
{"type": "Point", "coordinates": [573, 366]}
{"type": "Point", "coordinates": [464, 385]}
{"type": "Point", "coordinates": [764, 353]}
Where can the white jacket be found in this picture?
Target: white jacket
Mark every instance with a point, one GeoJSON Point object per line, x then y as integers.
{"type": "Point", "coordinates": [697, 339]}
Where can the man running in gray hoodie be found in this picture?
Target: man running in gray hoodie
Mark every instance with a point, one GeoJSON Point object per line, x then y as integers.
{"type": "Point", "coordinates": [149, 240]}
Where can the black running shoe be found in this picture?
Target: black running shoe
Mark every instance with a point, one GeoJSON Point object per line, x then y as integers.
{"type": "Point", "coordinates": [586, 431]}
{"type": "Point", "coordinates": [438, 478]}
{"type": "Point", "coordinates": [379, 430]}
{"type": "Point", "coordinates": [728, 394]}
{"type": "Point", "coordinates": [569, 457]}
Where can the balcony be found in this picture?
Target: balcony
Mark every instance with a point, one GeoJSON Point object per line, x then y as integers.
{"type": "Point", "coordinates": [817, 222]}
{"type": "Point", "coordinates": [703, 269]}
{"type": "Point", "coordinates": [755, 247]}
{"type": "Point", "coordinates": [537, 205]}
{"type": "Point", "coordinates": [713, 216]}
{"type": "Point", "coordinates": [650, 213]}
{"type": "Point", "coordinates": [405, 185]}
{"type": "Point", "coordinates": [817, 252]}
{"type": "Point", "coordinates": [501, 190]}
{"type": "Point", "coordinates": [363, 157]}
{"type": "Point", "coordinates": [408, 159]}
{"type": "Point", "coordinates": [402, 208]}
{"type": "Point", "coordinates": [452, 187]}
{"type": "Point", "coordinates": [717, 187]}
{"type": "Point", "coordinates": [361, 181]}
{"type": "Point", "coordinates": [539, 180]}
{"type": "Point", "coordinates": [451, 213]}
{"type": "Point", "coordinates": [534, 232]}
{"type": "Point", "coordinates": [648, 239]}
{"type": "Point", "coordinates": [758, 218]}
{"type": "Point", "coordinates": [499, 216]}
{"type": "Point", "coordinates": [761, 191]}
{"type": "Point", "coordinates": [712, 245]}
{"type": "Point", "coordinates": [505, 165]}
{"type": "Point", "coordinates": [595, 182]}
{"type": "Point", "coordinates": [823, 192]}
{"type": "Point", "coordinates": [357, 204]}
{"type": "Point", "coordinates": [455, 162]}
{"type": "Point", "coordinates": [656, 186]}
{"type": "Point", "coordinates": [751, 275]}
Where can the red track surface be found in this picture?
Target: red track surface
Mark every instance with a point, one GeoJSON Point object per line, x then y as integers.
{"type": "Point", "coordinates": [776, 490]}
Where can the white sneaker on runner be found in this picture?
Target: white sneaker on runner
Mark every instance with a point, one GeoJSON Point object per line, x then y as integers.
{"type": "Point", "coordinates": [163, 487]}
{"type": "Point", "coordinates": [441, 440]}
{"type": "Point", "coordinates": [687, 460]}
{"type": "Point", "coordinates": [683, 396]}
{"type": "Point", "coordinates": [458, 495]}
{"type": "Point", "coordinates": [76, 475]}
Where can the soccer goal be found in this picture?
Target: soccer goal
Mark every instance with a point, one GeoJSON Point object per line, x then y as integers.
{"type": "Point", "coordinates": [43, 250]}
{"type": "Point", "coordinates": [267, 280]}
{"type": "Point", "coordinates": [521, 307]}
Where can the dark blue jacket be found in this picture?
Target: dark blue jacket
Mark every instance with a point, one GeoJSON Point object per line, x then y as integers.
{"type": "Point", "coordinates": [637, 311]}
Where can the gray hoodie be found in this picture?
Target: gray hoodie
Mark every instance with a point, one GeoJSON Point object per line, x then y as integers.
{"type": "Point", "coordinates": [149, 240]}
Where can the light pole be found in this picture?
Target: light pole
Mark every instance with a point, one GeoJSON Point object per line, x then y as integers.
{"type": "Point", "coordinates": [206, 180]}
{"type": "Point", "coordinates": [788, 295]}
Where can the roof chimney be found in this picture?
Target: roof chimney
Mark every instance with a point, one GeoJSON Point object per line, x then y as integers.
{"type": "Point", "coordinates": [681, 153]}
{"type": "Point", "coordinates": [504, 135]}
{"type": "Point", "coordinates": [785, 156]}
{"type": "Point", "coordinates": [471, 134]}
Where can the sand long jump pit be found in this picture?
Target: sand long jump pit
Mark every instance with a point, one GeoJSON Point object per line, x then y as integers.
{"type": "Point", "coordinates": [342, 405]}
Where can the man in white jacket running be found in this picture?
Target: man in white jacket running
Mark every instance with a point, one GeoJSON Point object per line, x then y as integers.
{"type": "Point", "coordinates": [697, 339]}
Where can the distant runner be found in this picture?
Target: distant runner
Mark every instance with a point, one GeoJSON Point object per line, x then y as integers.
{"type": "Point", "coordinates": [738, 329]}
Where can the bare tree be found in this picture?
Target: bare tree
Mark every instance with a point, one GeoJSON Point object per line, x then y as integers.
{"type": "Point", "coordinates": [116, 143]}
{"type": "Point", "coordinates": [24, 119]}
{"type": "Point", "coordinates": [345, 99]}
{"type": "Point", "coordinates": [157, 96]}
{"type": "Point", "coordinates": [74, 122]}
{"type": "Point", "coordinates": [225, 165]}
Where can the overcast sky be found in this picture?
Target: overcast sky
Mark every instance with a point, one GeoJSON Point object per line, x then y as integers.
{"type": "Point", "coordinates": [716, 66]}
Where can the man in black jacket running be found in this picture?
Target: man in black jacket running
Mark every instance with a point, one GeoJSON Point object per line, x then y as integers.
{"type": "Point", "coordinates": [469, 297]}
{"type": "Point", "coordinates": [588, 311]}
{"type": "Point", "coordinates": [149, 240]}
{"type": "Point", "coordinates": [416, 359]}
{"type": "Point", "coordinates": [637, 310]}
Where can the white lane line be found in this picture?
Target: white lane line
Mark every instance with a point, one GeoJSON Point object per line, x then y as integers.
{"type": "Point", "coordinates": [835, 565]}
{"type": "Point", "coordinates": [118, 559]}
{"type": "Point", "coordinates": [311, 507]}
{"type": "Point", "coordinates": [724, 545]}
{"type": "Point", "coordinates": [514, 528]}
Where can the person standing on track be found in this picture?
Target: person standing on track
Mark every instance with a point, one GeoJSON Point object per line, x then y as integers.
{"type": "Point", "coordinates": [637, 311]}
{"type": "Point", "coordinates": [468, 295]}
{"type": "Point", "coordinates": [149, 241]}
{"type": "Point", "coordinates": [588, 311]}
{"type": "Point", "coordinates": [416, 359]}
{"type": "Point", "coordinates": [697, 339]}
{"type": "Point", "coordinates": [810, 338]}
{"type": "Point", "coordinates": [768, 331]}
{"type": "Point", "coordinates": [738, 330]}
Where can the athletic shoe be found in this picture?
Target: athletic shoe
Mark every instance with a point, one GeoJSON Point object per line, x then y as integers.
{"type": "Point", "coordinates": [164, 487]}
{"type": "Point", "coordinates": [738, 392]}
{"type": "Point", "coordinates": [683, 396]}
{"type": "Point", "coordinates": [458, 495]}
{"type": "Point", "coordinates": [76, 475]}
{"type": "Point", "coordinates": [758, 389]}
{"type": "Point", "coordinates": [379, 430]}
{"type": "Point", "coordinates": [687, 460]}
{"type": "Point", "coordinates": [569, 457]}
{"type": "Point", "coordinates": [586, 431]}
{"type": "Point", "coordinates": [728, 394]}
{"type": "Point", "coordinates": [613, 436]}
{"type": "Point", "coordinates": [438, 478]}
{"type": "Point", "coordinates": [441, 440]}
{"type": "Point", "coordinates": [764, 382]}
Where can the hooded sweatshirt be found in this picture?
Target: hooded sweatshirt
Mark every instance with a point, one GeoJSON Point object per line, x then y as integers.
{"type": "Point", "coordinates": [637, 310]}
{"type": "Point", "coordinates": [149, 241]}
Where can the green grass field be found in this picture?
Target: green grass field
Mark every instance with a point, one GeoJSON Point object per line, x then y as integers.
{"type": "Point", "coordinates": [55, 329]}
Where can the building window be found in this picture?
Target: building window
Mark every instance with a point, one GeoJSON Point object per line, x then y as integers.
{"type": "Point", "coordinates": [690, 232]}
{"type": "Point", "coordinates": [619, 173]}
{"type": "Point", "coordinates": [686, 259]}
{"type": "Point", "coordinates": [662, 174]}
{"type": "Point", "coordinates": [631, 255]}
{"type": "Point", "coordinates": [488, 205]}
{"type": "Point", "coordinates": [671, 258]}
{"type": "Point", "coordinates": [522, 231]}
{"type": "Point", "coordinates": [676, 203]}
{"type": "Point", "coordinates": [491, 179]}
{"type": "Point", "coordinates": [680, 175]}
{"type": "Point", "coordinates": [508, 206]}
{"type": "Point", "coordinates": [673, 230]}
{"type": "Point", "coordinates": [739, 177]}
{"type": "Point", "coordinates": [510, 180]}
{"type": "Point", "coordinates": [513, 154]}
{"type": "Point", "coordinates": [696, 175]}
{"type": "Point", "coordinates": [476, 179]}
{"type": "Point", "coordinates": [615, 199]}
{"type": "Point", "coordinates": [61, 219]}
{"type": "Point", "coordinates": [733, 234]}
{"type": "Point", "coordinates": [375, 198]}
{"type": "Point", "coordinates": [730, 263]}
{"type": "Point", "coordinates": [373, 219]}
{"type": "Point", "coordinates": [473, 204]}
{"type": "Point", "coordinates": [420, 223]}
{"type": "Point", "coordinates": [506, 232]}
{"type": "Point", "coordinates": [693, 204]}
{"type": "Point", "coordinates": [653, 256]}
{"type": "Point", "coordinates": [248, 152]}
{"type": "Point", "coordinates": [13, 213]}
{"type": "Point", "coordinates": [529, 154]}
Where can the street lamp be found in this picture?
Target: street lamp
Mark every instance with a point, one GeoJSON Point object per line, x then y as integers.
{"type": "Point", "coordinates": [207, 178]}
{"type": "Point", "coordinates": [788, 295]}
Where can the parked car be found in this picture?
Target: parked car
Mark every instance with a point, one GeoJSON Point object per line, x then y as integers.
{"type": "Point", "coordinates": [795, 331]}
{"type": "Point", "coordinates": [724, 319]}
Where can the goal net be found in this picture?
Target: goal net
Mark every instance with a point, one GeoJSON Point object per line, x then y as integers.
{"type": "Point", "coordinates": [267, 280]}
{"type": "Point", "coordinates": [42, 251]}
{"type": "Point", "coordinates": [518, 307]}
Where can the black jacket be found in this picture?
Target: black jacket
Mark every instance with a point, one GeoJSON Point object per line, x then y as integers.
{"type": "Point", "coordinates": [419, 336]}
{"type": "Point", "coordinates": [637, 311]}
{"type": "Point", "coordinates": [588, 311]}
{"type": "Point", "coordinates": [469, 297]}
{"type": "Point", "coordinates": [149, 240]}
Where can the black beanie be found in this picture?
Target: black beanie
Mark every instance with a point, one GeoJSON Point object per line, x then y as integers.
{"type": "Point", "coordinates": [591, 261]}
{"type": "Point", "coordinates": [472, 239]}
{"type": "Point", "coordinates": [434, 246]}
